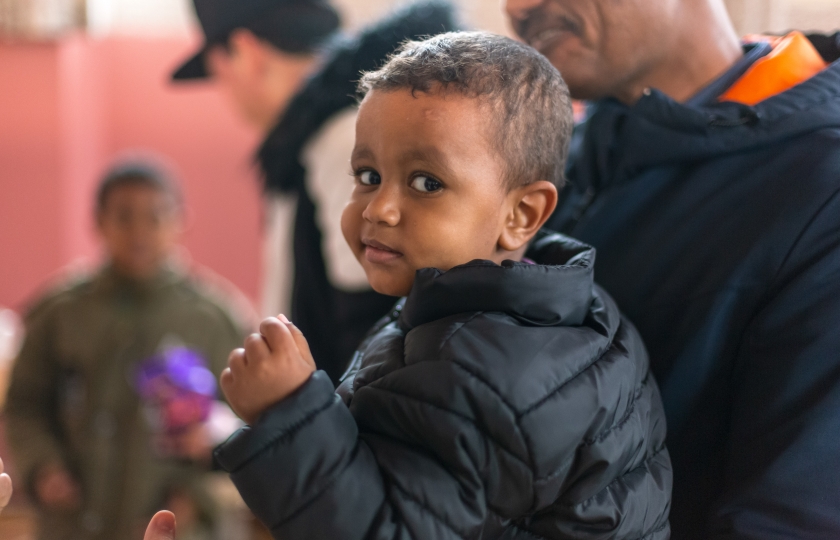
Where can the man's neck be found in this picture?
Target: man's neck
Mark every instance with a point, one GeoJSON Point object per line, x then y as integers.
{"type": "Point", "coordinates": [702, 50]}
{"type": "Point", "coordinates": [134, 276]}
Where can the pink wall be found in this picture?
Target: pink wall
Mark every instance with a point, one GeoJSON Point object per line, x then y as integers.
{"type": "Point", "coordinates": [29, 159]}
{"type": "Point", "coordinates": [67, 108]}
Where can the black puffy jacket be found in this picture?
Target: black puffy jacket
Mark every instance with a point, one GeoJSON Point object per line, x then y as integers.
{"type": "Point", "coordinates": [504, 401]}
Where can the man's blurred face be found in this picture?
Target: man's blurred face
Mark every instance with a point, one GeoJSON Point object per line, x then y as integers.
{"type": "Point", "coordinates": [140, 226]}
{"type": "Point", "coordinates": [602, 47]}
{"type": "Point", "coordinates": [259, 78]}
{"type": "Point", "coordinates": [234, 72]}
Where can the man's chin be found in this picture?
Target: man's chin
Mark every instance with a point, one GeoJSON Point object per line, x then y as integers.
{"type": "Point", "coordinates": [583, 88]}
{"type": "Point", "coordinates": [583, 83]}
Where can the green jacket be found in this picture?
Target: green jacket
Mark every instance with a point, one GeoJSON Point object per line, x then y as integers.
{"type": "Point", "coordinates": [71, 398]}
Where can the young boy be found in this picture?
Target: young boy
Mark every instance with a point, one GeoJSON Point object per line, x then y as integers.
{"type": "Point", "coordinates": [94, 465]}
{"type": "Point", "coordinates": [505, 397]}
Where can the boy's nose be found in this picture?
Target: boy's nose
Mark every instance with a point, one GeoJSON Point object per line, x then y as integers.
{"type": "Point", "coordinates": [519, 9]}
{"type": "Point", "coordinates": [383, 208]}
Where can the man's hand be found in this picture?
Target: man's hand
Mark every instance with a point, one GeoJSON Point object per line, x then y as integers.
{"type": "Point", "coordinates": [5, 487]}
{"type": "Point", "coordinates": [56, 489]}
{"type": "Point", "coordinates": [162, 526]}
{"type": "Point", "coordinates": [273, 364]}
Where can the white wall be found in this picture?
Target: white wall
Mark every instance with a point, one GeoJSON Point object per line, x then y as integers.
{"type": "Point", "coordinates": [481, 14]}
{"type": "Point", "coordinates": [140, 17]}
{"type": "Point", "coordinates": [752, 16]}
{"type": "Point", "coordinates": [813, 14]}
{"type": "Point", "coordinates": [167, 17]}
{"type": "Point", "coordinates": [175, 16]}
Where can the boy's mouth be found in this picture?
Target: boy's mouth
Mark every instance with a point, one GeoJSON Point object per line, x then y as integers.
{"type": "Point", "coordinates": [377, 252]}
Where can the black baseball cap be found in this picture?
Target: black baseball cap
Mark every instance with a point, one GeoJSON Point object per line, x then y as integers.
{"type": "Point", "coordinates": [296, 26]}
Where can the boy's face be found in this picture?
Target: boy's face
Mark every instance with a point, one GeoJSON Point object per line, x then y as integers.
{"type": "Point", "coordinates": [429, 187]}
{"type": "Point", "coordinates": [140, 226]}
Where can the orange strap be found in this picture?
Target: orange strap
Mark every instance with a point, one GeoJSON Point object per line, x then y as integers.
{"type": "Point", "coordinates": [793, 61]}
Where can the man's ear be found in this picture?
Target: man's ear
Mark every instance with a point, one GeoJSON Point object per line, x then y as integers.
{"type": "Point", "coordinates": [248, 50]}
{"type": "Point", "coordinates": [530, 207]}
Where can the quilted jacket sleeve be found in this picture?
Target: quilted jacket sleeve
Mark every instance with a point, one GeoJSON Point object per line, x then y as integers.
{"type": "Point", "coordinates": [783, 464]}
{"type": "Point", "coordinates": [306, 472]}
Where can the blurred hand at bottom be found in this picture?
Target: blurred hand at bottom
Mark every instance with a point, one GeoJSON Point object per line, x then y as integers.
{"type": "Point", "coordinates": [5, 488]}
{"type": "Point", "coordinates": [162, 526]}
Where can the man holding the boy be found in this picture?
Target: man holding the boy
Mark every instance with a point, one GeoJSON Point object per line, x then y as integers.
{"type": "Point", "coordinates": [708, 178]}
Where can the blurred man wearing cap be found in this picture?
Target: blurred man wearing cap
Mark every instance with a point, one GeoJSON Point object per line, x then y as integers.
{"type": "Point", "coordinates": [708, 177]}
{"type": "Point", "coordinates": [259, 51]}
{"type": "Point", "coordinates": [289, 76]}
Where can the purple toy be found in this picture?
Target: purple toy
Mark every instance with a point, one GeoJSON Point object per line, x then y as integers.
{"type": "Point", "coordinates": [177, 386]}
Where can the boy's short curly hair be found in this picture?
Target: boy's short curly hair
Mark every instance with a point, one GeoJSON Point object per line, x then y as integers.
{"type": "Point", "coordinates": [533, 124]}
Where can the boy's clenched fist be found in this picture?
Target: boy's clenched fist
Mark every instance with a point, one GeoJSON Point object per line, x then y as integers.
{"type": "Point", "coordinates": [272, 365]}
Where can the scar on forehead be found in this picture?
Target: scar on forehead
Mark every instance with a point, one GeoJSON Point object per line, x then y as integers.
{"type": "Point", "coordinates": [433, 113]}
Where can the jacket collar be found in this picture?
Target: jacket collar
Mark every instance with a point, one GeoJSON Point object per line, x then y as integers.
{"type": "Point", "coordinates": [753, 52]}
{"type": "Point", "coordinates": [557, 291]}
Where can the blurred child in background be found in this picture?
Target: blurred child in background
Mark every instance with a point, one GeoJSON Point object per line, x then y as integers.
{"type": "Point", "coordinates": [109, 398]}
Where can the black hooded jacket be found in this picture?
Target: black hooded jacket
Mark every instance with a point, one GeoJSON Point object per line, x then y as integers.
{"type": "Point", "coordinates": [335, 320]}
{"type": "Point", "coordinates": [507, 401]}
{"type": "Point", "coordinates": [718, 233]}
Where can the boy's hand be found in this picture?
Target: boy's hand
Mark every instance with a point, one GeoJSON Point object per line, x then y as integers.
{"type": "Point", "coordinates": [273, 364]}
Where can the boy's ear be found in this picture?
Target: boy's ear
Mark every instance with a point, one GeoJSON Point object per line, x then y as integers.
{"type": "Point", "coordinates": [531, 206]}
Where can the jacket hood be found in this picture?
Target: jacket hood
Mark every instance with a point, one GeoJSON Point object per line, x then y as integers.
{"type": "Point", "coordinates": [659, 131]}
{"type": "Point", "coordinates": [557, 291]}
{"type": "Point", "coordinates": [333, 88]}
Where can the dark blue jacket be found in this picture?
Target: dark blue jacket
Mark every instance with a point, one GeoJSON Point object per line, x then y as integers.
{"type": "Point", "coordinates": [718, 234]}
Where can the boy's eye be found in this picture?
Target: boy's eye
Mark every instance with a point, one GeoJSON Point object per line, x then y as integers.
{"type": "Point", "coordinates": [370, 178]}
{"type": "Point", "coordinates": [426, 184]}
